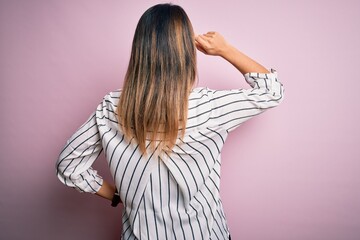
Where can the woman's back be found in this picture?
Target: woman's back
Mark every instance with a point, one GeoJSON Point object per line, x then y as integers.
{"type": "Point", "coordinates": [179, 189]}
{"type": "Point", "coordinates": [175, 195]}
{"type": "Point", "coordinates": [169, 187]}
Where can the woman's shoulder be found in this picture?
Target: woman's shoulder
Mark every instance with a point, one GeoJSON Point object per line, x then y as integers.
{"type": "Point", "coordinates": [199, 92]}
{"type": "Point", "coordinates": [110, 101]}
{"type": "Point", "coordinates": [113, 94]}
{"type": "Point", "coordinates": [107, 108]}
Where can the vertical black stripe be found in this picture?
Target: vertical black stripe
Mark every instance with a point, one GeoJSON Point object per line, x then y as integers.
{"type": "Point", "coordinates": [187, 185]}
{"type": "Point", "coordinates": [203, 209]}
{"type": "Point", "coordinates": [161, 196]}
{"type": "Point", "coordinates": [192, 230]}
{"type": "Point", "coordinates": [137, 187]}
{"type": "Point", "coordinates": [177, 209]}
{"type": "Point", "coordinates": [153, 206]}
{"type": "Point", "coordinates": [108, 143]}
{"type": "Point", "coordinates": [127, 164]}
{"type": "Point", "coordinates": [119, 160]}
{"type": "Point", "coordinates": [113, 152]}
{"type": "Point", "coordinates": [169, 206]}
{"type": "Point", "coordinates": [147, 224]}
{"type": "Point", "coordinates": [132, 176]}
{"type": "Point", "coordinates": [191, 172]}
{"type": "Point", "coordinates": [198, 221]}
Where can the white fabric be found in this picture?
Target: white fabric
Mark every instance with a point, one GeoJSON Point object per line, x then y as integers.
{"type": "Point", "coordinates": [177, 196]}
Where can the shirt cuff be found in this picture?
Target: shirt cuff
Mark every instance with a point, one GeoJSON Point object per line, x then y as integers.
{"type": "Point", "coordinates": [90, 182]}
{"type": "Point", "coordinates": [253, 77]}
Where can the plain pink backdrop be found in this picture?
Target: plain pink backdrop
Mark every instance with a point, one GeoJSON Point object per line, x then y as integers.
{"type": "Point", "coordinates": [292, 173]}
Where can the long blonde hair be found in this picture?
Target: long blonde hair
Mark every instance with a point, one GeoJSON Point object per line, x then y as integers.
{"type": "Point", "coordinates": [162, 70]}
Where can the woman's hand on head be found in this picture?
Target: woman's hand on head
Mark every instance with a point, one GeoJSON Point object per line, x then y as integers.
{"type": "Point", "coordinates": [211, 43]}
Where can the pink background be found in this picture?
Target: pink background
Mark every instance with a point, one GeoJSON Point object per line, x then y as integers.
{"type": "Point", "coordinates": [291, 173]}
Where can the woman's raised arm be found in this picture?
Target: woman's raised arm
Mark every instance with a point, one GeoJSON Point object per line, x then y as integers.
{"type": "Point", "coordinates": [213, 43]}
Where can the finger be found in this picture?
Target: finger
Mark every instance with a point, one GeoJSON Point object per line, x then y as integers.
{"type": "Point", "coordinates": [204, 36]}
{"type": "Point", "coordinates": [210, 34]}
{"type": "Point", "coordinates": [200, 49]}
{"type": "Point", "coordinates": [201, 41]}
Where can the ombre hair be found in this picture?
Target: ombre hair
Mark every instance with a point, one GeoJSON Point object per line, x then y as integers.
{"type": "Point", "coordinates": [162, 70]}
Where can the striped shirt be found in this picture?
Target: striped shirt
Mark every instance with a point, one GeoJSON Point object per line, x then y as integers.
{"type": "Point", "coordinates": [176, 195]}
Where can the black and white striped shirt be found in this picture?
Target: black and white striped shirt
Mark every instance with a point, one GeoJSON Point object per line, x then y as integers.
{"type": "Point", "coordinates": [177, 196]}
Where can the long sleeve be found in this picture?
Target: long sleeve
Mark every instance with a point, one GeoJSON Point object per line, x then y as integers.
{"type": "Point", "coordinates": [230, 108]}
{"type": "Point", "coordinates": [73, 166]}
